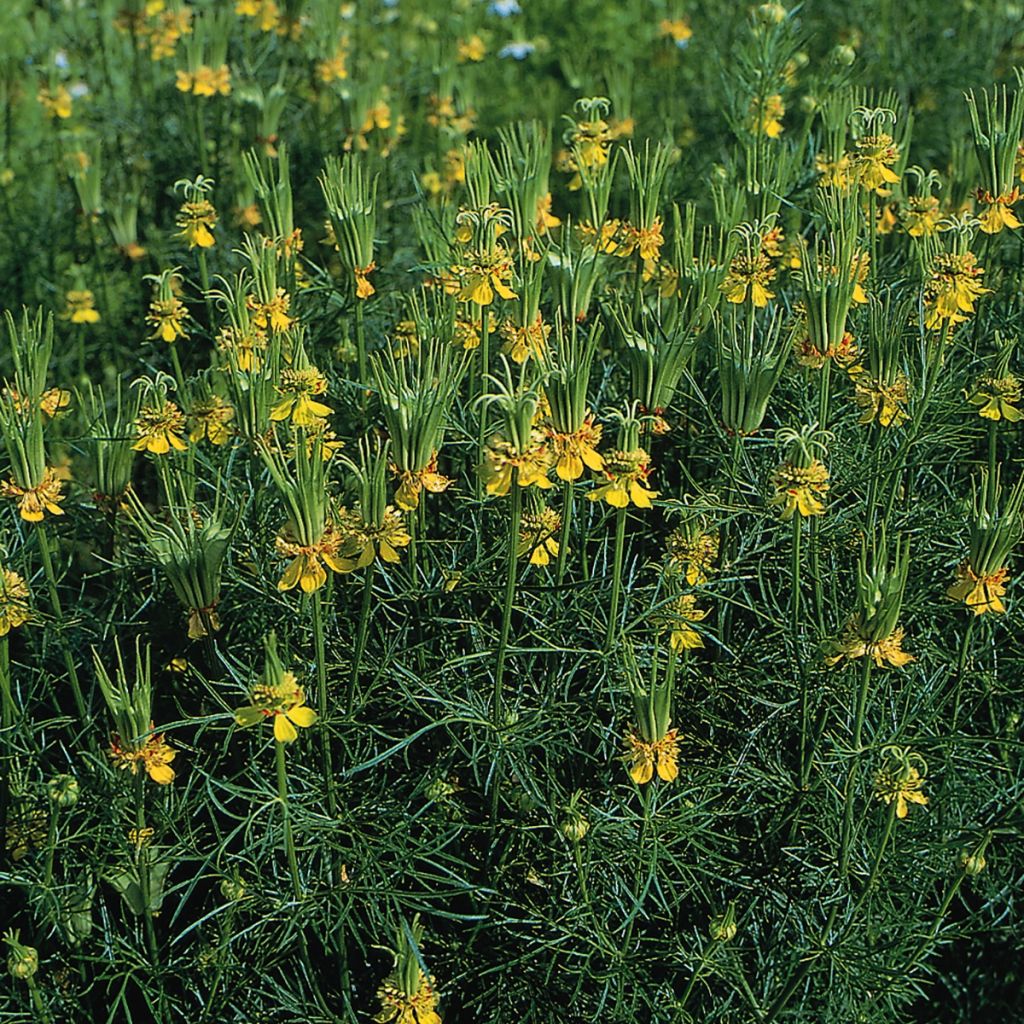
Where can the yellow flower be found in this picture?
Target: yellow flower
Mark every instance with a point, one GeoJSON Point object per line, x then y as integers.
{"type": "Point", "coordinates": [902, 786]}
{"type": "Point", "coordinates": [154, 756]}
{"type": "Point", "coordinates": [696, 553]}
{"type": "Point", "coordinates": [159, 429]}
{"type": "Point", "coordinates": [51, 402]}
{"type": "Point", "coordinates": [845, 354]}
{"type": "Point", "coordinates": [574, 451]}
{"type": "Point", "coordinates": [285, 702]}
{"type": "Point", "coordinates": [888, 651]}
{"type": "Point", "coordinates": [676, 619]}
{"type": "Point", "coordinates": [502, 458]}
{"type": "Point", "coordinates": [872, 163]}
{"type": "Point", "coordinates": [196, 221]}
{"type": "Point", "coordinates": [305, 569]}
{"type": "Point", "coordinates": [922, 217]}
{"type": "Point", "coordinates": [411, 485]}
{"type": "Point", "coordinates": [676, 29]}
{"type": "Point", "coordinates": [471, 49]}
{"type": "Point", "coordinates": [997, 398]}
{"type": "Point", "coordinates": [298, 388]}
{"type": "Point", "coordinates": [645, 758]}
{"type": "Point", "coordinates": [523, 342]}
{"type": "Point", "coordinates": [333, 68]}
{"type": "Point", "coordinates": [952, 289]}
{"type": "Point", "coordinates": [362, 275]}
{"type": "Point", "coordinates": [35, 502]}
{"type": "Point", "coordinates": [627, 474]}
{"type": "Point", "coordinates": [210, 418]}
{"type": "Point", "coordinates": [485, 273]}
{"type": "Point", "coordinates": [647, 241]}
{"type": "Point", "coordinates": [751, 272]}
{"type": "Point", "coordinates": [545, 220]}
{"type": "Point", "coordinates": [998, 213]}
{"type": "Point", "coordinates": [767, 115]}
{"type": "Point", "coordinates": [537, 536]}
{"type": "Point", "coordinates": [205, 81]}
{"type": "Point", "coordinates": [797, 487]}
{"type": "Point", "coordinates": [56, 103]}
{"type": "Point", "coordinates": [167, 316]}
{"type": "Point", "coordinates": [396, 1007]}
{"type": "Point", "coordinates": [80, 307]}
{"type": "Point", "coordinates": [246, 349]}
{"type": "Point", "coordinates": [363, 542]}
{"type": "Point", "coordinates": [272, 315]}
{"type": "Point", "coordinates": [884, 404]}
{"type": "Point", "coordinates": [980, 593]}
{"type": "Point", "coordinates": [833, 173]}
{"type": "Point", "coordinates": [14, 596]}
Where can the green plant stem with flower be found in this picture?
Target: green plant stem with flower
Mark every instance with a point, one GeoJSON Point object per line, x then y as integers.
{"type": "Point", "coordinates": [362, 633]}
{"type": "Point", "coordinates": [613, 608]}
{"type": "Point", "coordinates": [322, 707]}
{"type": "Point", "coordinates": [289, 838]}
{"type": "Point", "coordinates": [851, 782]}
{"type": "Point", "coordinates": [515, 516]}
{"type": "Point", "coordinates": [563, 535]}
{"type": "Point", "coordinates": [142, 865]}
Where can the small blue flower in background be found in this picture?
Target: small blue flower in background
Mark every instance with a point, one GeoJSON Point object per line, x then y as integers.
{"type": "Point", "coordinates": [505, 8]}
{"type": "Point", "coordinates": [520, 51]}
{"type": "Point", "coordinates": [60, 60]}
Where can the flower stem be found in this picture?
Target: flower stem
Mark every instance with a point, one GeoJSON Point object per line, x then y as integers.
{"type": "Point", "coordinates": [142, 863]}
{"type": "Point", "coordinates": [321, 680]}
{"type": "Point", "coordinates": [858, 730]}
{"type": "Point", "coordinates": [8, 708]}
{"type": "Point", "coordinates": [361, 635]}
{"type": "Point", "coordinates": [510, 592]}
{"type": "Point", "coordinates": [961, 664]}
{"type": "Point", "coordinates": [69, 661]}
{"type": "Point", "coordinates": [563, 536]}
{"type": "Point", "coordinates": [289, 839]}
{"type": "Point", "coordinates": [613, 610]}
{"type": "Point", "coordinates": [483, 388]}
{"type": "Point", "coordinates": [361, 352]}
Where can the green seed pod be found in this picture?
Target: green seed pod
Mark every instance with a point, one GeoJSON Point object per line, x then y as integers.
{"type": "Point", "coordinates": [63, 791]}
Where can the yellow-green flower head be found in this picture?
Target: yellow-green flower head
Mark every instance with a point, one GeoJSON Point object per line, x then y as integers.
{"type": "Point", "coordinates": [284, 701]}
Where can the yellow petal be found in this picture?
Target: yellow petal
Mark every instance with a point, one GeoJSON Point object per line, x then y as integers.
{"type": "Point", "coordinates": [284, 731]}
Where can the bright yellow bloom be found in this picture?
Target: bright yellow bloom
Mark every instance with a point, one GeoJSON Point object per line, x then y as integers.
{"type": "Point", "coordinates": [903, 787]}
{"type": "Point", "coordinates": [883, 652]}
{"type": "Point", "coordinates": [537, 536]}
{"type": "Point", "coordinates": [298, 388]}
{"type": "Point", "coordinates": [845, 354]}
{"type": "Point", "coordinates": [647, 241]}
{"type": "Point", "coordinates": [272, 315]}
{"type": "Point", "coordinates": [51, 402]}
{"type": "Point", "coordinates": [285, 702]}
{"type": "Point", "coordinates": [154, 756]}
{"type": "Point", "coordinates": [833, 173]}
{"type": "Point", "coordinates": [472, 49]}
{"type": "Point", "coordinates": [574, 451]}
{"type": "Point", "coordinates": [922, 216]}
{"type": "Point", "coordinates": [676, 29]}
{"type": "Point", "coordinates": [644, 757]}
{"type": "Point", "coordinates": [952, 289]}
{"type": "Point", "coordinates": [196, 221]}
{"type": "Point", "coordinates": [980, 593]}
{"type": "Point", "coordinates": [884, 404]}
{"type": "Point", "coordinates": [167, 317]}
{"type": "Point", "coordinates": [80, 307]}
{"type": "Point", "coordinates": [484, 274]}
{"type": "Point", "coordinates": [502, 458]}
{"type": "Point", "coordinates": [362, 275]}
{"type": "Point", "coordinates": [751, 272]}
{"type": "Point", "coordinates": [997, 398]}
{"type": "Point", "coordinates": [411, 485]}
{"type": "Point", "coordinates": [523, 342]}
{"type": "Point", "coordinates": [767, 115]}
{"type": "Point", "coordinates": [797, 488]}
{"type": "Point", "coordinates": [14, 596]}
{"type": "Point", "coordinates": [210, 418]}
{"type": "Point", "coordinates": [333, 68]}
{"type": "Point", "coordinates": [205, 81]}
{"type": "Point", "coordinates": [676, 618]}
{"type": "Point", "coordinates": [364, 542]}
{"type": "Point", "coordinates": [998, 213]}
{"type": "Point", "coordinates": [545, 220]}
{"type": "Point", "coordinates": [56, 103]}
{"type": "Point", "coordinates": [35, 502]}
{"type": "Point", "coordinates": [159, 429]}
{"type": "Point", "coordinates": [246, 349]}
{"type": "Point", "coordinates": [627, 474]}
{"type": "Point", "coordinates": [396, 1007]}
{"type": "Point", "coordinates": [872, 163]}
{"type": "Point", "coordinates": [305, 569]}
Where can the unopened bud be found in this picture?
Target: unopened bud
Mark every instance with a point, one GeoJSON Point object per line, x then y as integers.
{"type": "Point", "coordinates": [63, 791]}
{"type": "Point", "coordinates": [973, 863]}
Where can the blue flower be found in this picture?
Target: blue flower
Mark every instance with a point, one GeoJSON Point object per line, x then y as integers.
{"type": "Point", "coordinates": [505, 8]}
{"type": "Point", "coordinates": [520, 51]}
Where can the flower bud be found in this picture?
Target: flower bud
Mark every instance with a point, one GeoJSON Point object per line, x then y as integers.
{"type": "Point", "coordinates": [232, 889]}
{"type": "Point", "coordinates": [22, 961]}
{"type": "Point", "coordinates": [63, 791]}
{"type": "Point", "coordinates": [844, 56]}
{"type": "Point", "coordinates": [770, 14]}
{"type": "Point", "coordinates": [722, 928]}
{"type": "Point", "coordinates": [973, 863]}
{"type": "Point", "coordinates": [574, 826]}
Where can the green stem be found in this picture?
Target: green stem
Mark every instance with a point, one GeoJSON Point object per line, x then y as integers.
{"type": "Point", "coordinates": [563, 536]}
{"type": "Point", "coordinates": [361, 636]}
{"type": "Point", "coordinates": [961, 664]}
{"type": "Point", "coordinates": [510, 592]}
{"type": "Point", "coordinates": [620, 544]}
{"type": "Point", "coordinates": [851, 782]}
{"type": "Point", "coordinates": [204, 281]}
{"type": "Point", "coordinates": [322, 707]}
{"type": "Point", "coordinates": [361, 352]}
{"type": "Point", "coordinates": [69, 661]}
{"type": "Point", "coordinates": [289, 839]}
{"type": "Point", "coordinates": [484, 387]}
{"type": "Point", "coordinates": [8, 708]}
{"type": "Point", "coordinates": [142, 863]}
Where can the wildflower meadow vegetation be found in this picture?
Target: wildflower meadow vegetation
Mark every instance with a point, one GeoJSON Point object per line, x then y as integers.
{"type": "Point", "coordinates": [510, 511]}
